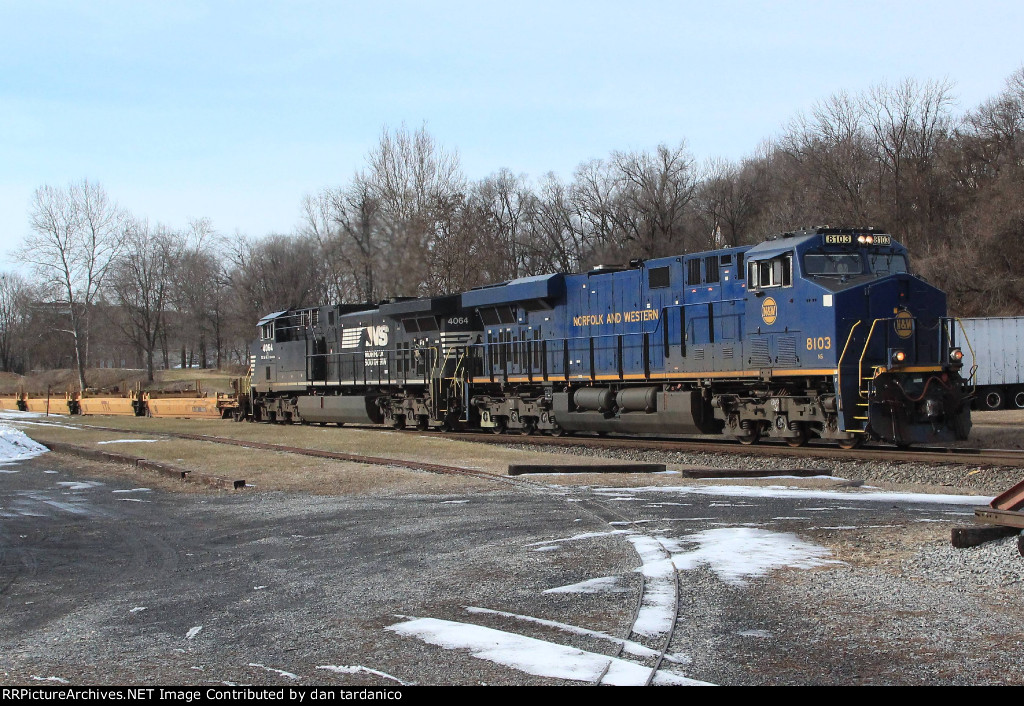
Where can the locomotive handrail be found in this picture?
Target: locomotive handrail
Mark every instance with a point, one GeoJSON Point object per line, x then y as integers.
{"type": "Point", "coordinates": [839, 366]}
{"type": "Point", "coordinates": [864, 352]}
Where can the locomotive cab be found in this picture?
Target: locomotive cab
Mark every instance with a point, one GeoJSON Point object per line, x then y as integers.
{"type": "Point", "coordinates": [877, 334]}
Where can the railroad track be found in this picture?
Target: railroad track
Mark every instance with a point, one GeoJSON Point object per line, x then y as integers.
{"type": "Point", "coordinates": [923, 454]}
{"type": "Point", "coordinates": [1008, 458]}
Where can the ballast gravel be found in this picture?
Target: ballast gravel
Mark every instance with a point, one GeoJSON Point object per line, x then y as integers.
{"type": "Point", "coordinates": [972, 479]}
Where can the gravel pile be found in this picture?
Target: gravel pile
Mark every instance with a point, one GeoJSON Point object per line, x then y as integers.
{"type": "Point", "coordinates": [960, 477]}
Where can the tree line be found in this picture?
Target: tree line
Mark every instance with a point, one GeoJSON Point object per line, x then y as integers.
{"type": "Point", "coordinates": [410, 223]}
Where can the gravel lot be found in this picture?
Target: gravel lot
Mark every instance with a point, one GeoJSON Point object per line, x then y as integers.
{"type": "Point", "coordinates": [101, 582]}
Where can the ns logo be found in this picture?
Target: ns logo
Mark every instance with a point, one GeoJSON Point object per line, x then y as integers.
{"type": "Point", "coordinates": [375, 336]}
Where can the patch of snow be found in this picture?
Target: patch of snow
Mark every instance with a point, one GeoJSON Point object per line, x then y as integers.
{"type": "Point", "coordinates": [577, 537]}
{"type": "Point", "coordinates": [778, 491]}
{"type": "Point", "coordinates": [628, 646]}
{"type": "Point", "coordinates": [452, 502]}
{"type": "Point", "coordinates": [357, 669]}
{"type": "Point", "coordinates": [532, 656]}
{"type": "Point", "coordinates": [129, 441]}
{"type": "Point", "coordinates": [133, 490]}
{"type": "Point", "coordinates": [79, 485]}
{"type": "Point", "coordinates": [137, 609]}
{"type": "Point", "coordinates": [56, 679]}
{"type": "Point", "coordinates": [658, 605]}
{"type": "Point", "coordinates": [604, 584]}
{"type": "Point", "coordinates": [283, 673]}
{"type": "Point", "coordinates": [15, 446]}
{"type": "Point", "coordinates": [17, 414]}
{"type": "Point", "coordinates": [754, 633]}
{"type": "Point", "coordinates": [740, 553]}
{"type": "Point", "coordinates": [193, 632]}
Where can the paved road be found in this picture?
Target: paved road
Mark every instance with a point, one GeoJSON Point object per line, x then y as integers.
{"type": "Point", "coordinates": [103, 582]}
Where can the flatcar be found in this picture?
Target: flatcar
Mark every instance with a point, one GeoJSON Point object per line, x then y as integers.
{"type": "Point", "coordinates": [821, 333]}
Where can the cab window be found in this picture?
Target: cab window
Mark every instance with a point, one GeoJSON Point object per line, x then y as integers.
{"type": "Point", "coordinates": [838, 263]}
{"type": "Point", "coordinates": [888, 264]}
{"type": "Point", "coordinates": [775, 272]}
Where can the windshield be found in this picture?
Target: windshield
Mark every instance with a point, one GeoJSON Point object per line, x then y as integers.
{"type": "Point", "coordinates": [838, 264]}
{"type": "Point", "coordinates": [887, 264]}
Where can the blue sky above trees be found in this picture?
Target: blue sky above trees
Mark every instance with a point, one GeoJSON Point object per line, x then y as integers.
{"type": "Point", "coordinates": [235, 111]}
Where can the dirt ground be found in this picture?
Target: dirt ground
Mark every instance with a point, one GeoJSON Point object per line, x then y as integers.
{"type": "Point", "coordinates": [998, 430]}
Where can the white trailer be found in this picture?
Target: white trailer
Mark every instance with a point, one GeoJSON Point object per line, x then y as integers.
{"type": "Point", "coordinates": [997, 348]}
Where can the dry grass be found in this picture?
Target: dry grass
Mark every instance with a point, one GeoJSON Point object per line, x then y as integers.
{"type": "Point", "coordinates": [881, 547]}
{"type": "Point", "coordinates": [283, 471]}
{"type": "Point", "coordinates": [268, 470]}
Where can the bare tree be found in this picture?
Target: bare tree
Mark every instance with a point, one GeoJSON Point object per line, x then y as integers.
{"type": "Point", "coordinates": [141, 280]}
{"type": "Point", "coordinates": [75, 234]}
{"type": "Point", "coordinates": [728, 199]}
{"type": "Point", "coordinates": [833, 154]}
{"type": "Point", "coordinates": [555, 239]}
{"type": "Point", "coordinates": [908, 122]}
{"type": "Point", "coordinates": [15, 300]}
{"type": "Point", "coordinates": [344, 222]}
{"type": "Point", "coordinates": [412, 181]}
{"type": "Point", "coordinates": [655, 190]}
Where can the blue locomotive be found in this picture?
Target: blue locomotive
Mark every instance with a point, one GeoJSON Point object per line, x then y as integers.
{"type": "Point", "coordinates": [818, 333]}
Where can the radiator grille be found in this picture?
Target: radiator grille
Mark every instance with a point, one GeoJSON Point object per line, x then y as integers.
{"type": "Point", "coordinates": [787, 351]}
{"type": "Point", "coordinates": [759, 353]}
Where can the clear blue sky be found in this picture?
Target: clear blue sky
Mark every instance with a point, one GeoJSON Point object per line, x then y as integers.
{"type": "Point", "coordinates": [236, 110]}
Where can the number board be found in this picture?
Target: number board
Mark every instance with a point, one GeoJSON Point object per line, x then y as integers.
{"type": "Point", "coordinates": [840, 239]}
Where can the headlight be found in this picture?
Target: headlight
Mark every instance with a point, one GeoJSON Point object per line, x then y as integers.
{"type": "Point", "coordinates": [898, 356]}
{"type": "Point", "coordinates": [956, 355]}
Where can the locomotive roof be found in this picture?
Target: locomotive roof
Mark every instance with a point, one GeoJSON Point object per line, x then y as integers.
{"type": "Point", "coordinates": [430, 305]}
{"type": "Point", "coordinates": [270, 317]}
{"type": "Point", "coordinates": [785, 243]}
{"type": "Point", "coordinates": [518, 290]}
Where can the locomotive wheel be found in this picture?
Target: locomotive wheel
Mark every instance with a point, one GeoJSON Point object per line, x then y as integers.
{"type": "Point", "coordinates": [398, 423]}
{"type": "Point", "coordinates": [500, 427]}
{"type": "Point", "coordinates": [798, 440]}
{"type": "Point", "coordinates": [529, 426]}
{"type": "Point", "coordinates": [851, 443]}
{"type": "Point", "coordinates": [422, 423]}
{"type": "Point", "coordinates": [751, 438]}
